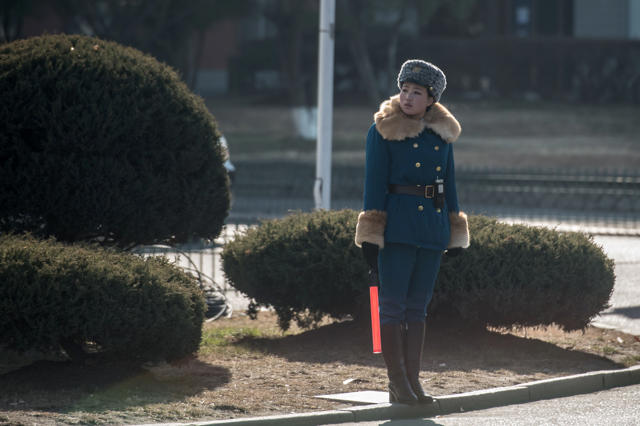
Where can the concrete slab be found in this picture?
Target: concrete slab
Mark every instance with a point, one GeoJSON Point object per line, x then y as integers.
{"type": "Point", "coordinates": [359, 398]}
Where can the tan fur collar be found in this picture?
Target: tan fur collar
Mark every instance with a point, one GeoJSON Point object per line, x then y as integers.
{"type": "Point", "coordinates": [394, 125]}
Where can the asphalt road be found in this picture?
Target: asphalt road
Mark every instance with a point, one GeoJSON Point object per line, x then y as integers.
{"type": "Point", "coordinates": [618, 406]}
{"type": "Point", "coordinates": [624, 313]}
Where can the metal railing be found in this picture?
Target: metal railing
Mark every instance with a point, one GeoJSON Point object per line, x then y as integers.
{"type": "Point", "coordinates": [202, 259]}
{"type": "Point", "coordinates": [265, 190]}
{"type": "Point", "coordinates": [601, 202]}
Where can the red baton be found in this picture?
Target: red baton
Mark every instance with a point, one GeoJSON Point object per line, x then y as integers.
{"type": "Point", "coordinates": [375, 319]}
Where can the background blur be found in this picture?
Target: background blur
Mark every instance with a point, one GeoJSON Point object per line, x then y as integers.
{"type": "Point", "coordinates": [547, 93]}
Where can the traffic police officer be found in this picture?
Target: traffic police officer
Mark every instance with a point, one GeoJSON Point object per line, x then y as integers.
{"type": "Point", "coordinates": [411, 215]}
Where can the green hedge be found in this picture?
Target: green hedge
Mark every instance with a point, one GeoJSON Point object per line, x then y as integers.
{"type": "Point", "coordinates": [306, 266]}
{"type": "Point", "coordinates": [101, 142]}
{"type": "Point", "coordinates": [52, 294]}
{"type": "Point", "coordinates": [517, 275]}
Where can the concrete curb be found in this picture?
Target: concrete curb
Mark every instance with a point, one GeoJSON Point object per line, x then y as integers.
{"type": "Point", "coordinates": [527, 392]}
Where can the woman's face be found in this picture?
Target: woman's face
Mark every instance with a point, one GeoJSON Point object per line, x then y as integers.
{"type": "Point", "coordinates": [414, 99]}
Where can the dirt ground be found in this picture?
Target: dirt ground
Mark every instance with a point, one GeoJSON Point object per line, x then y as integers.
{"type": "Point", "coordinates": [250, 368]}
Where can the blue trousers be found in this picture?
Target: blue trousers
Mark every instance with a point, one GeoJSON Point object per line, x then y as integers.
{"type": "Point", "coordinates": [407, 278]}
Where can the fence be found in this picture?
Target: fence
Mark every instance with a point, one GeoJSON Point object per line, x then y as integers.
{"type": "Point", "coordinates": [601, 202]}
{"type": "Point", "coordinates": [267, 189]}
{"type": "Point", "coordinates": [202, 259]}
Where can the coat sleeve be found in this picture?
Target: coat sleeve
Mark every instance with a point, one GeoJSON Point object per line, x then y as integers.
{"type": "Point", "coordinates": [457, 219]}
{"type": "Point", "coordinates": [450, 191]}
{"type": "Point", "coordinates": [373, 220]}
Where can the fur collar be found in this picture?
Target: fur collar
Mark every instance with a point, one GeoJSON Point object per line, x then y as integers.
{"type": "Point", "coordinates": [394, 125]}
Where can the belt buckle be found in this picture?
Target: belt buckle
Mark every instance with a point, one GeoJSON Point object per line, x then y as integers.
{"type": "Point", "coordinates": [428, 191]}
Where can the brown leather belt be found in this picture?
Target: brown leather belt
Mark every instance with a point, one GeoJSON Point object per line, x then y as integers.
{"type": "Point", "coordinates": [426, 191]}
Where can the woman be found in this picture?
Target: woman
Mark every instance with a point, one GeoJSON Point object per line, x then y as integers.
{"type": "Point", "coordinates": [411, 216]}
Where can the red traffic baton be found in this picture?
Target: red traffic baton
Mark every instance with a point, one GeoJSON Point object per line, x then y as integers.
{"type": "Point", "coordinates": [375, 319]}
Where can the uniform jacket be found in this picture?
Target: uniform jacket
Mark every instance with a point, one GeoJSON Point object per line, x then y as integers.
{"type": "Point", "coordinates": [406, 151]}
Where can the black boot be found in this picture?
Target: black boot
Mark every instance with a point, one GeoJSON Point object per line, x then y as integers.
{"type": "Point", "coordinates": [414, 341]}
{"type": "Point", "coordinates": [393, 353]}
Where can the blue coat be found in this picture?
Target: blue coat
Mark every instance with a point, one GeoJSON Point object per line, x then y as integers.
{"type": "Point", "coordinates": [404, 151]}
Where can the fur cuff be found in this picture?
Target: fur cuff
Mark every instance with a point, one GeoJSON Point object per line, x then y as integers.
{"type": "Point", "coordinates": [459, 230]}
{"type": "Point", "coordinates": [370, 227]}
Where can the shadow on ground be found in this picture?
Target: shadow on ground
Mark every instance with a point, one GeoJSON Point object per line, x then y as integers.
{"type": "Point", "coordinates": [102, 385]}
{"type": "Point", "coordinates": [629, 312]}
{"type": "Point", "coordinates": [447, 348]}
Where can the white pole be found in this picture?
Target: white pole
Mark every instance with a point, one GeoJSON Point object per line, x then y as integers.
{"type": "Point", "coordinates": [322, 187]}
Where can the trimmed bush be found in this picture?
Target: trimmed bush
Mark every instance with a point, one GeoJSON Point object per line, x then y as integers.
{"type": "Point", "coordinates": [306, 266]}
{"type": "Point", "coordinates": [517, 275]}
{"type": "Point", "coordinates": [54, 295]}
{"type": "Point", "coordinates": [101, 142]}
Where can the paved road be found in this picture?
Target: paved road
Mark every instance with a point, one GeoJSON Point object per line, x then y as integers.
{"type": "Point", "coordinates": [618, 406]}
{"type": "Point", "coordinates": [624, 313]}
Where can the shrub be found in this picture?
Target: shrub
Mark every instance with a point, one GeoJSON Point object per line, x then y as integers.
{"type": "Point", "coordinates": [306, 265]}
{"type": "Point", "coordinates": [52, 294]}
{"type": "Point", "coordinates": [101, 142]}
{"type": "Point", "coordinates": [517, 275]}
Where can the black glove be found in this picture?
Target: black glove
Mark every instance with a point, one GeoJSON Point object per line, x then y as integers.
{"type": "Point", "coordinates": [453, 252]}
{"type": "Point", "coordinates": [370, 252]}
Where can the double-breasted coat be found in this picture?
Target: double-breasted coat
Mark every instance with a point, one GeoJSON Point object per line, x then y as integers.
{"type": "Point", "coordinates": [402, 150]}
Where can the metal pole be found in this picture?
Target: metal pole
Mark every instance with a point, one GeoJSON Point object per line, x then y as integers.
{"type": "Point", "coordinates": [322, 187]}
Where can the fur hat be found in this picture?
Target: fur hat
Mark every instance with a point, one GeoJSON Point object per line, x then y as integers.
{"type": "Point", "coordinates": [425, 74]}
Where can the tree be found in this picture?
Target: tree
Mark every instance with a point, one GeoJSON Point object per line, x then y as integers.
{"type": "Point", "coordinates": [12, 14]}
{"type": "Point", "coordinates": [170, 30]}
{"type": "Point", "coordinates": [295, 21]}
{"type": "Point", "coordinates": [358, 19]}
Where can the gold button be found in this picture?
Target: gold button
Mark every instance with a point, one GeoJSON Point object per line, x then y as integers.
{"type": "Point", "coordinates": [437, 148]}
{"type": "Point", "coordinates": [418, 164]}
{"type": "Point", "coordinates": [415, 145]}
{"type": "Point", "coordinates": [420, 208]}
{"type": "Point", "coordinates": [438, 168]}
{"type": "Point", "coordinates": [438, 210]}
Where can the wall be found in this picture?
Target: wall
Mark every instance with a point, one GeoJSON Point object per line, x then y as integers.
{"type": "Point", "coordinates": [601, 18]}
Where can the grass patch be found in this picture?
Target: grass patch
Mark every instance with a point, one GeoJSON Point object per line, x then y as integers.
{"type": "Point", "coordinates": [243, 144]}
{"type": "Point", "coordinates": [250, 143]}
{"type": "Point", "coordinates": [215, 338]}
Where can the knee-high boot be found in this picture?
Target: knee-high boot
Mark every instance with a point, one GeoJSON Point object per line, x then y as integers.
{"type": "Point", "coordinates": [393, 354]}
{"type": "Point", "coordinates": [414, 342]}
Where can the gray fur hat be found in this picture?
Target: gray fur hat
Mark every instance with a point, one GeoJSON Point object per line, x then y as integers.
{"type": "Point", "coordinates": [425, 74]}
